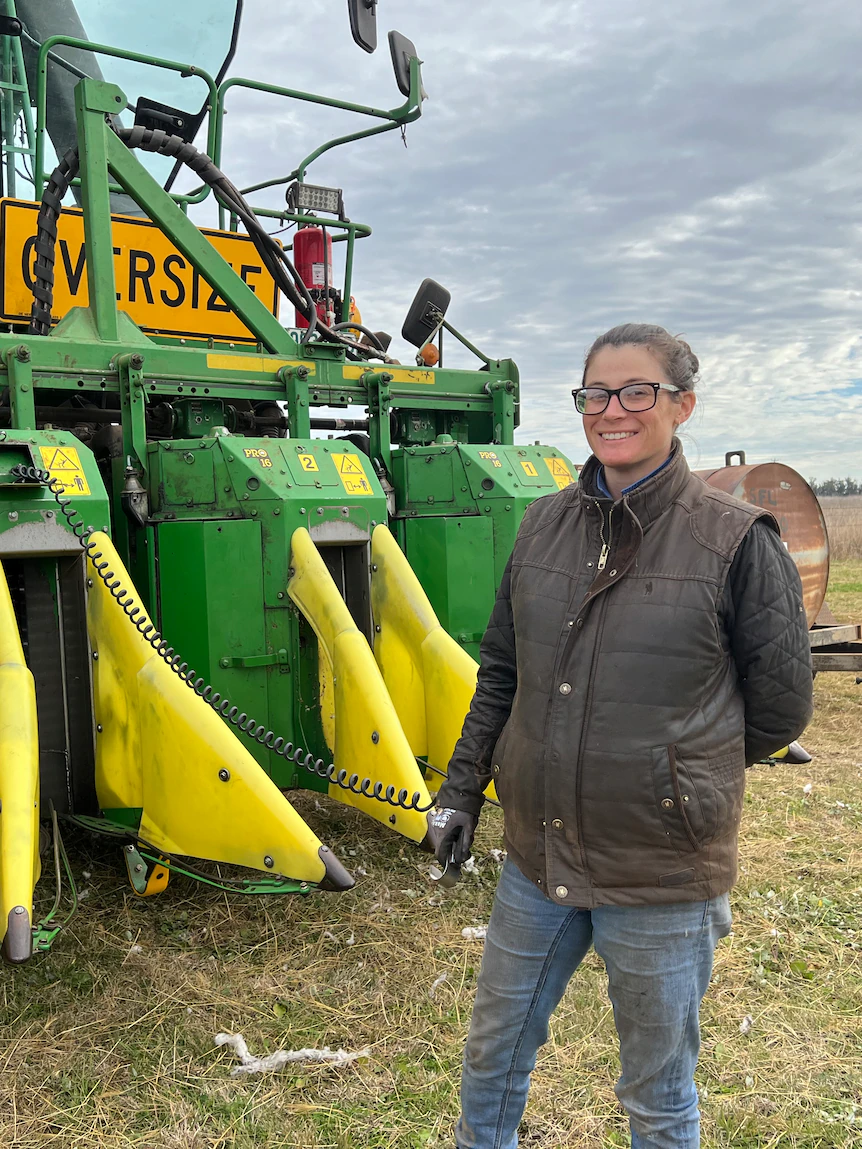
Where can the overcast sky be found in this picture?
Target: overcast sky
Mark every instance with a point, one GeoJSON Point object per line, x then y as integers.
{"type": "Point", "coordinates": [692, 163]}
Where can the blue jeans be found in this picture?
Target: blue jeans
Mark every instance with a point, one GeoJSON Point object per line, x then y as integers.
{"type": "Point", "coordinates": [659, 962]}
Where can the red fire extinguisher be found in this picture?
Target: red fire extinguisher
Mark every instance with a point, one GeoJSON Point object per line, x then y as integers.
{"type": "Point", "coordinates": [315, 270]}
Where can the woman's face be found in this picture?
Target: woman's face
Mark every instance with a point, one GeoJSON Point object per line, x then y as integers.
{"type": "Point", "coordinates": [634, 442]}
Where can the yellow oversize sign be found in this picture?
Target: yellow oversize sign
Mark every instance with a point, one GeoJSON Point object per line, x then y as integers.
{"type": "Point", "coordinates": [155, 284]}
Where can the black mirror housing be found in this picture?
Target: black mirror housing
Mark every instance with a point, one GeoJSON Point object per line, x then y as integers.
{"type": "Point", "coordinates": [427, 312]}
{"type": "Point", "coordinates": [363, 23]}
{"type": "Point", "coordinates": [403, 51]}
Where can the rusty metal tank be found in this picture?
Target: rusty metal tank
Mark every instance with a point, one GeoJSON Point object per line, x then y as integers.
{"type": "Point", "coordinates": [785, 493]}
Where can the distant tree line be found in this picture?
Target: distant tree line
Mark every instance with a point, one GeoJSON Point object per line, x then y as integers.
{"type": "Point", "coordinates": [835, 487]}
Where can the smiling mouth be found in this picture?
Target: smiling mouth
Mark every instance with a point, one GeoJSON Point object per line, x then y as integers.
{"type": "Point", "coordinates": [617, 434]}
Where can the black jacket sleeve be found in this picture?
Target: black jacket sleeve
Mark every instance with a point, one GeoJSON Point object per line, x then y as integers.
{"type": "Point", "coordinates": [470, 766]}
{"type": "Point", "coordinates": [768, 634]}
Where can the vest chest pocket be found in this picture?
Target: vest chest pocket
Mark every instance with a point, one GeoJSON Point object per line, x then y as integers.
{"type": "Point", "coordinates": [678, 801]}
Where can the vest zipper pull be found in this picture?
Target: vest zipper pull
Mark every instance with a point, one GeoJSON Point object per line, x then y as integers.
{"type": "Point", "coordinates": [603, 557]}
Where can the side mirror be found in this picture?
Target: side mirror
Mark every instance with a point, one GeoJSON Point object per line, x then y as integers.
{"type": "Point", "coordinates": [427, 312]}
{"type": "Point", "coordinates": [403, 51]}
{"type": "Point", "coordinates": [363, 23]}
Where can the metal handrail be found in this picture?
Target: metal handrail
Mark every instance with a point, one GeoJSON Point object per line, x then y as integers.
{"type": "Point", "coordinates": [185, 70]}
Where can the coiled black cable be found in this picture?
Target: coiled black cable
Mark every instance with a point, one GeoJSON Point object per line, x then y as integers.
{"type": "Point", "coordinates": [247, 725]}
{"type": "Point", "coordinates": [275, 258]}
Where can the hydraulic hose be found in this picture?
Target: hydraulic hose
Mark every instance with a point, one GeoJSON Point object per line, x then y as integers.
{"type": "Point", "coordinates": [275, 258]}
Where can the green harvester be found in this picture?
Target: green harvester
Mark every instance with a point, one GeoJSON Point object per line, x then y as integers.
{"type": "Point", "coordinates": [205, 602]}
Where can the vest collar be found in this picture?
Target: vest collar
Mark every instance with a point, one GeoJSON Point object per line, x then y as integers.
{"type": "Point", "coordinates": [651, 498]}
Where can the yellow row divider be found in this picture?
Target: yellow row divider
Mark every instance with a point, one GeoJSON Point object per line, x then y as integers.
{"type": "Point", "coordinates": [430, 678]}
{"type": "Point", "coordinates": [360, 724]}
{"type": "Point", "coordinates": [162, 748]}
{"type": "Point", "coordinates": [19, 787]}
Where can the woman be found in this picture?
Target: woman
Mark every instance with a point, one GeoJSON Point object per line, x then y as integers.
{"type": "Point", "coordinates": [648, 643]}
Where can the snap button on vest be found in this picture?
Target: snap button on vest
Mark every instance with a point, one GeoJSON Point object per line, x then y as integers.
{"type": "Point", "coordinates": [557, 824]}
{"type": "Point", "coordinates": [565, 688]}
{"type": "Point", "coordinates": [667, 803]}
{"type": "Point", "coordinates": [561, 891]}
{"type": "Point", "coordinates": [580, 624]}
{"type": "Point", "coordinates": [496, 769]}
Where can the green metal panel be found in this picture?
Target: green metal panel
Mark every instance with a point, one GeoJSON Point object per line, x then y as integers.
{"type": "Point", "coordinates": [453, 558]}
{"type": "Point", "coordinates": [189, 478]}
{"type": "Point", "coordinates": [446, 484]}
{"type": "Point", "coordinates": [224, 510]}
{"type": "Point", "coordinates": [23, 507]}
{"type": "Point", "coordinates": [211, 604]}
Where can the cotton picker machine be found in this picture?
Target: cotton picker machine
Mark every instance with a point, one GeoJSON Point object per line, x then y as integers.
{"type": "Point", "coordinates": [204, 604]}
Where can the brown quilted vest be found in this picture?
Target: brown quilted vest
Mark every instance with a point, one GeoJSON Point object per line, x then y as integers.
{"type": "Point", "coordinates": [621, 769]}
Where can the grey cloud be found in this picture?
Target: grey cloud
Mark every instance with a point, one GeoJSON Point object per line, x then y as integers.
{"type": "Point", "coordinates": [688, 163]}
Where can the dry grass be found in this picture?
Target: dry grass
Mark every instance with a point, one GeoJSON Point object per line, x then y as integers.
{"type": "Point", "coordinates": [110, 1048]}
{"type": "Point", "coordinates": [844, 524]}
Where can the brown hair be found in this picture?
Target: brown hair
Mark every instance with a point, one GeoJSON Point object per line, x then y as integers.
{"type": "Point", "coordinates": [676, 357]}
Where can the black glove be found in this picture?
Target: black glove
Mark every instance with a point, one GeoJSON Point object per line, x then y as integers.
{"type": "Point", "coordinates": [451, 833]}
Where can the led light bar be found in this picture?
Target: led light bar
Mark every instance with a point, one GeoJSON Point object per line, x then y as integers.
{"type": "Point", "coordinates": [310, 197]}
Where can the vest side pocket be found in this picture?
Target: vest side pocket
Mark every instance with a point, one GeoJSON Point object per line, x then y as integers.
{"type": "Point", "coordinates": [498, 764]}
{"type": "Point", "coordinates": [672, 800]}
{"type": "Point", "coordinates": [690, 806]}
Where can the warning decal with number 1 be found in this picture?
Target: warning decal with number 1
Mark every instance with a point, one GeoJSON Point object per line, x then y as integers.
{"type": "Point", "coordinates": [352, 474]}
{"type": "Point", "coordinates": [64, 464]}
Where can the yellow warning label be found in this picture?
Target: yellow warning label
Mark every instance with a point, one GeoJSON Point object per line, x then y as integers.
{"type": "Point", "coordinates": [530, 469]}
{"type": "Point", "coordinates": [352, 474]}
{"type": "Point", "coordinates": [308, 462]}
{"type": "Point", "coordinates": [64, 464]}
{"type": "Point", "coordinates": [560, 473]}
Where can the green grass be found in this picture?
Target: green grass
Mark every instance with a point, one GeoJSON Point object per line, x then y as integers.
{"type": "Point", "coordinates": [106, 1047]}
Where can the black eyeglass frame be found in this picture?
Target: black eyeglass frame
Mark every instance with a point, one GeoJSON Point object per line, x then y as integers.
{"type": "Point", "coordinates": [618, 391]}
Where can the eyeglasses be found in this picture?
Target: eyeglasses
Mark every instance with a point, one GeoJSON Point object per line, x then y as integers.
{"type": "Point", "coordinates": [632, 397]}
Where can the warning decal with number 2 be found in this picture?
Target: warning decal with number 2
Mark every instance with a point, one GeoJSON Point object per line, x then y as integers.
{"type": "Point", "coordinates": [64, 465]}
{"type": "Point", "coordinates": [352, 474]}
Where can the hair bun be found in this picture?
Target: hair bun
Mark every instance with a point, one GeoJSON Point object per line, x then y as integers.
{"type": "Point", "coordinates": [694, 362]}
{"type": "Point", "coordinates": [679, 361]}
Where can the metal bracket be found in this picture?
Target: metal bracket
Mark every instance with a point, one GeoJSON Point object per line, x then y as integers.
{"type": "Point", "coordinates": [21, 398]}
{"type": "Point", "coordinates": [147, 878]}
{"type": "Point", "coordinates": [298, 410]}
{"type": "Point", "coordinates": [133, 401]}
{"type": "Point", "coordinates": [502, 392]}
{"type": "Point", "coordinates": [379, 406]}
{"type": "Point", "coordinates": [249, 662]}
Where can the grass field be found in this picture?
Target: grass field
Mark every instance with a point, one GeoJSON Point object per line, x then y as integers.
{"type": "Point", "coordinates": [108, 1041]}
{"type": "Point", "coordinates": [844, 524]}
